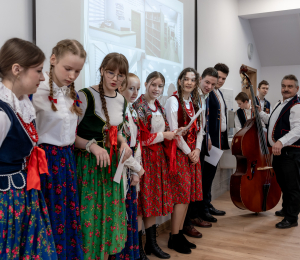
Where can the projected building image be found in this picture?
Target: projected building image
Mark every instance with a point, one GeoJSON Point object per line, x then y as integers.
{"type": "Point", "coordinates": [148, 33]}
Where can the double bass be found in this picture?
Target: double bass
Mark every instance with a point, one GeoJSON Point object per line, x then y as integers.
{"type": "Point", "coordinates": [253, 186]}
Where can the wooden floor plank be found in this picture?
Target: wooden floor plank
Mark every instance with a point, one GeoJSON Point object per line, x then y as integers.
{"type": "Point", "coordinates": [240, 235]}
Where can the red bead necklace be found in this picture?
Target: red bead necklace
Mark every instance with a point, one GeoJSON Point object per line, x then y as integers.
{"type": "Point", "coordinates": [30, 129]}
{"type": "Point", "coordinates": [190, 111]}
{"type": "Point", "coordinates": [155, 108]}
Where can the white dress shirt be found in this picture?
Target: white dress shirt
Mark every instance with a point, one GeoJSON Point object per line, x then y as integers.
{"type": "Point", "coordinates": [54, 127]}
{"type": "Point", "coordinates": [247, 112]}
{"type": "Point", "coordinates": [22, 106]}
{"type": "Point", "coordinates": [171, 108]}
{"type": "Point", "coordinates": [222, 111]}
{"type": "Point", "coordinates": [294, 134]}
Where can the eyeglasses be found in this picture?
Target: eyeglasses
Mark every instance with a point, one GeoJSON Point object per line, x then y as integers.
{"type": "Point", "coordinates": [111, 75]}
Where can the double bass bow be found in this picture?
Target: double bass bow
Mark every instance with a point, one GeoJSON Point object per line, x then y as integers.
{"type": "Point", "coordinates": [253, 186]}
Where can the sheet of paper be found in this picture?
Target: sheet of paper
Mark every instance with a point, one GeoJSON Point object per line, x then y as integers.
{"type": "Point", "coordinates": [119, 171]}
{"type": "Point", "coordinates": [214, 156]}
{"type": "Point", "coordinates": [191, 122]}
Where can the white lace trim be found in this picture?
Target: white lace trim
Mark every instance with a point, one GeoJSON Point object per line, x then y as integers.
{"type": "Point", "coordinates": [22, 106]}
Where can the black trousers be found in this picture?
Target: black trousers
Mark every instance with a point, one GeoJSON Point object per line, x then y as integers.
{"type": "Point", "coordinates": [287, 169]}
{"type": "Point", "coordinates": [198, 208]}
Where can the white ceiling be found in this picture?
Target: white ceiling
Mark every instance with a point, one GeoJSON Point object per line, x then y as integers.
{"type": "Point", "coordinates": [277, 39]}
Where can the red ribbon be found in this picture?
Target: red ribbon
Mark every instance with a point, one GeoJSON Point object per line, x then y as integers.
{"type": "Point", "coordinates": [37, 165]}
{"type": "Point", "coordinates": [147, 137]}
{"type": "Point", "coordinates": [52, 99]}
{"type": "Point", "coordinates": [77, 100]}
{"type": "Point", "coordinates": [113, 139]}
{"type": "Point", "coordinates": [170, 150]}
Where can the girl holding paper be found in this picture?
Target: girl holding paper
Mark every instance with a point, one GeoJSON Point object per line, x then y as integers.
{"type": "Point", "coordinates": [134, 169]}
{"type": "Point", "coordinates": [155, 197]}
{"type": "Point", "coordinates": [186, 182]}
{"type": "Point", "coordinates": [102, 212]}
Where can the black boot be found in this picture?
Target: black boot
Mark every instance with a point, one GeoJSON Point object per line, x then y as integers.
{"type": "Point", "coordinates": [152, 246]}
{"type": "Point", "coordinates": [175, 242]}
{"type": "Point", "coordinates": [185, 241]}
{"type": "Point", "coordinates": [142, 252]}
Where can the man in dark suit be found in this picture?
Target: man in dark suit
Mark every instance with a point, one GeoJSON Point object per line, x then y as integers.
{"type": "Point", "coordinates": [218, 136]}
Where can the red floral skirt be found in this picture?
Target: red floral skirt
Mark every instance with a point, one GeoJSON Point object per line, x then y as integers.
{"type": "Point", "coordinates": [155, 197]}
{"type": "Point", "coordinates": [186, 184]}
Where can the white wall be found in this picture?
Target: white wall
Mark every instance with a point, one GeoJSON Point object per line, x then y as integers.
{"type": "Point", "coordinates": [15, 20]}
{"type": "Point", "coordinates": [274, 76]}
{"type": "Point", "coordinates": [57, 20]}
{"type": "Point", "coordinates": [224, 37]}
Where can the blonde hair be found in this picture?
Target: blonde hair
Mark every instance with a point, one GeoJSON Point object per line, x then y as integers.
{"type": "Point", "coordinates": [112, 61]}
{"type": "Point", "coordinates": [59, 51]}
{"type": "Point", "coordinates": [130, 75]}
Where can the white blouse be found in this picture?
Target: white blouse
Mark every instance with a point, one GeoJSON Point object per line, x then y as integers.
{"type": "Point", "coordinates": [134, 163]}
{"type": "Point", "coordinates": [114, 105]}
{"type": "Point", "coordinates": [157, 125]}
{"type": "Point", "coordinates": [172, 107]}
{"type": "Point", "coordinates": [22, 106]}
{"type": "Point", "coordinates": [55, 128]}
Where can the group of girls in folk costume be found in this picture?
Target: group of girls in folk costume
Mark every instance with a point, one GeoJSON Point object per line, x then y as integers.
{"type": "Point", "coordinates": [186, 182]}
{"type": "Point", "coordinates": [75, 210]}
{"type": "Point", "coordinates": [24, 221]}
{"type": "Point", "coordinates": [56, 108]}
{"type": "Point", "coordinates": [102, 211]}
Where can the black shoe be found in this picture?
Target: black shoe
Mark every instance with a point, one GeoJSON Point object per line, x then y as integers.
{"type": "Point", "coordinates": [280, 213]}
{"type": "Point", "coordinates": [151, 245]}
{"type": "Point", "coordinates": [208, 217]}
{"type": "Point", "coordinates": [142, 252]}
{"type": "Point", "coordinates": [186, 242]}
{"type": "Point", "coordinates": [175, 242]}
{"type": "Point", "coordinates": [286, 224]}
{"type": "Point", "coordinates": [216, 212]}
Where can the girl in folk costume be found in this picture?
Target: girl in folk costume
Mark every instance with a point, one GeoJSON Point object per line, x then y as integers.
{"type": "Point", "coordinates": [135, 170]}
{"type": "Point", "coordinates": [103, 212]}
{"type": "Point", "coordinates": [57, 115]}
{"type": "Point", "coordinates": [24, 222]}
{"type": "Point", "coordinates": [155, 197]}
{"type": "Point", "coordinates": [186, 183]}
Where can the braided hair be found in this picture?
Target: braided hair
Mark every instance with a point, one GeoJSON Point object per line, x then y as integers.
{"type": "Point", "coordinates": [61, 48]}
{"type": "Point", "coordinates": [112, 61]}
{"type": "Point", "coordinates": [195, 93]}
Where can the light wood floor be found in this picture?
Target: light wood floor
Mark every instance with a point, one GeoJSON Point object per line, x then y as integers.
{"type": "Point", "coordinates": [239, 235]}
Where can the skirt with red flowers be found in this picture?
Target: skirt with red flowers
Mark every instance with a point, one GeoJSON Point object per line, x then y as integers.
{"type": "Point", "coordinates": [155, 196]}
{"type": "Point", "coordinates": [61, 195]}
{"type": "Point", "coordinates": [186, 184]}
{"type": "Point", "coordinates": [102, 207]}
{"type": "Point", "coordinates": [25, 230]}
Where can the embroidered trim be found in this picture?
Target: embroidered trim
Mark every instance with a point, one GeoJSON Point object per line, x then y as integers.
{"type": "Point", "coordinates": [24, 106]}
{"type": "Point", "coordinates": [11, 182]}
